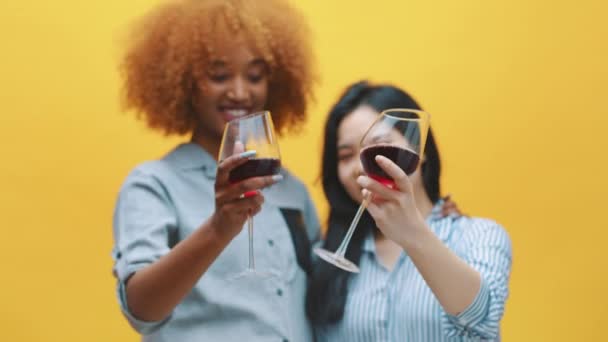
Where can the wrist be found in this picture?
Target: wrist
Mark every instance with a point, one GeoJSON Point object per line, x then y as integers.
{"type": "Point", "coordinates": [416, 236]}
{"type": "Point", "coordinates": [215, 232]}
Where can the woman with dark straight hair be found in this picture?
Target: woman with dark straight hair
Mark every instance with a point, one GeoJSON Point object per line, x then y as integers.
{"type": "Point", "coordinates": [425, 275]}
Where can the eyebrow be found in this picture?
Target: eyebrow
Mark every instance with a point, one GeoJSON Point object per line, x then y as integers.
{"type": "Point", "coordinates": [258, 61]}
{"type": "Point", "coordinates": [222, 62]}
{"type": "Point", "coordinates": [344, 146]}
{"type": "Point", "coordinates": [217, 64]}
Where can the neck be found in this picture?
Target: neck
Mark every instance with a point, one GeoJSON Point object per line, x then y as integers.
{"type": "Point", "coordinates": [212, 146]}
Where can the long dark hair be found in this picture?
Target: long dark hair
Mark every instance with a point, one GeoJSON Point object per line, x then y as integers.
{"type": "Point", "coordinates": [328, 289]}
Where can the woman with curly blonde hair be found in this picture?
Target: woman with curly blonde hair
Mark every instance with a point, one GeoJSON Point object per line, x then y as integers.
{"type": "Point", "coordinates": [192, 66]}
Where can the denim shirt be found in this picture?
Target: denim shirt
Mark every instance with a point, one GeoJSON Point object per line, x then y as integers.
{"type": "Point", "coordinates": [164, 201]}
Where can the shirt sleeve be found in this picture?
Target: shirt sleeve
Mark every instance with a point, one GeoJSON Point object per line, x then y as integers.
{"type": "Point", "coordinates": [143, 220]}
{"type": "Point", "coordinates": [488, 250]}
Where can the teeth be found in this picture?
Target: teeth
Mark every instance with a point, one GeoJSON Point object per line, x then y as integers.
{"type": "Point", "coordinates": [237, 112]}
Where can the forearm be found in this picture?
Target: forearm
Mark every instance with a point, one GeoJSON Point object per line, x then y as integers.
{"type": "Point", "coordinates": [454, 283]}
{"type": "Point", "coordinates": [154, 291]}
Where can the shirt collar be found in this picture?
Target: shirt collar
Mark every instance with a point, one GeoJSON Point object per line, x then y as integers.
{"type": "Point", "coordinates": [191, 156]}
{"type": "Point", "coordinates": [436, 211]}
{"type": "Point", "coordinates": [369, 244]}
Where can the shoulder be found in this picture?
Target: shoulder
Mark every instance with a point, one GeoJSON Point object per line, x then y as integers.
{"type": "Point", "coordinates": [153, 175]}
{"type": "Point", "coordinates": [483, 231]}
{"type": "Point", "coordinates": [148, 172]}
{"type": "Point", "coordinates": [292, 185]}
{"type": "Point", "coordinates": [157, 170]}
{"type": "Point", "coordinates": [290, 192]}
{"type": "Point", "coordinates": [292, 181]}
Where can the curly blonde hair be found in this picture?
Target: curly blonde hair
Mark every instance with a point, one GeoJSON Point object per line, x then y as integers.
{"type": "Point", "coordinates": [171, 46]}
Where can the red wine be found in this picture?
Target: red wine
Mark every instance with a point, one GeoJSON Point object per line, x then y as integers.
{"type": "Point", "coordinates": [406, 159]}
{"type": "Point", "coordinates": [255, 167]}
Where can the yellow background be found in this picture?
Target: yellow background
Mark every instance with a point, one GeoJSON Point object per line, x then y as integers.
{"type": "Point", "coordinates": [517, 90]}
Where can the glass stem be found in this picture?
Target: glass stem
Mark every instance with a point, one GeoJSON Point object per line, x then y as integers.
{"type": "Point", "coordinates": [250, 230]}
{"type": "Point", "coordinates": [349, 234]}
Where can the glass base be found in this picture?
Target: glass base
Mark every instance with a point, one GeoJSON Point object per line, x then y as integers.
{"type": "Point", "coordinates": [252, 273]}
{"type": "Point", "coordinates": [336, 260]}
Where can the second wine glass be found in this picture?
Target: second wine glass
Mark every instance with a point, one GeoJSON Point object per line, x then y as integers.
{"type": "Point", "coordinates": [253, 132]}
{"type": "Point", "coordinates": [399, 135]}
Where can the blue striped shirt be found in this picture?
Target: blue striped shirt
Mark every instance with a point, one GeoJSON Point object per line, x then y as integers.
{"type": "Point", "coordinates": [398, 305]}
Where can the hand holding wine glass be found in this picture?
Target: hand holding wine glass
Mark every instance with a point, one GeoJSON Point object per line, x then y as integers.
{"type": "Point", "coordinates": [248, 136]}
{"type": "Point", "coordinates": [393, 209]}
{"type": "Point", "coordinates": [231, 209]}
{"type": "Point", "coordinates": [398, 135]}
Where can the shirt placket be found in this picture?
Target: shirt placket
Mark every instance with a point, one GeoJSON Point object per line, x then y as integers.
{"type": "Point", "coordinates": [392, 289]}
{"type": "Point", "coordinates": [385, 295]}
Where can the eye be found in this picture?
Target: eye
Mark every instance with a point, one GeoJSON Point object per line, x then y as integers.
{"type": "Point", "coordinates": [345, 156]}
{"type": "Point", "coordinates": [257, 71]}
{"type": "Point", "coordinates": [219, 77]}
{"type": "Point", "coordinates": [256, 78]}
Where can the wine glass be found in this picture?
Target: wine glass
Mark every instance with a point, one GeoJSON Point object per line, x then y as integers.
{"type": "Point", "coordinates": [399, 135]}
{"type": "Point", "coordinates": [254, 132]}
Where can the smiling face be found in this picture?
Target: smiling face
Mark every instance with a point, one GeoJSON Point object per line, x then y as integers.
{"type": "Point", "coordinates": [235, 84]}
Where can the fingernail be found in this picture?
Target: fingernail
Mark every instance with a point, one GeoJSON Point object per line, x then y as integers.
{"type": "Point", "coordinates": [247, 154]}
{"type": "Point", "coordinates": [277, 178]}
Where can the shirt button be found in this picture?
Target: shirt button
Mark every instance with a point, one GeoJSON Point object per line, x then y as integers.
{"type": "Point", "coordinates": [279, 292]}
{"type": "Point", "coordinates": [270, 243]}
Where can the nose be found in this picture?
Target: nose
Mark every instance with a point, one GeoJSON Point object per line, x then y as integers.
{"type": "Point", "coordinates": [239, 90]}
{"type": "Point", "coordinates": [358, 168]}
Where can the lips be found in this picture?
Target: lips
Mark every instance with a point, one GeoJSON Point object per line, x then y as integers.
{"type": "Point", "coordinates": [234, 113]}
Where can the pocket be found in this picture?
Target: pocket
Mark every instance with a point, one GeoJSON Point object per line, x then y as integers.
{"type": "Point", "coordinates": [233, 259]}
